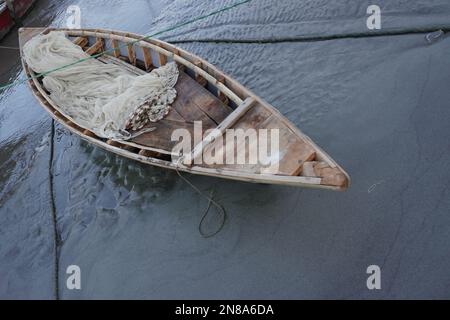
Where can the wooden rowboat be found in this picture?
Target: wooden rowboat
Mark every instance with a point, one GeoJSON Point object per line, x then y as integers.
{"type": "Point", "coordinates": [205, 94]}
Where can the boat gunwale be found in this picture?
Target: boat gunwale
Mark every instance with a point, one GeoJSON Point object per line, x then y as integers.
{"type": "Point", "coordinates": [213, 71]}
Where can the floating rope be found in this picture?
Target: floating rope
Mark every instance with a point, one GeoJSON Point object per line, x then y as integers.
{"type": "Point", "coordinates": [221, 209]}
{"type": "Point", "coordinates": [435, 31]}
{"type": "Point", "coordinates": [211, 202]}
{"type": "Point", "coordinates": [54, 216]}
{"type": "Point", "coordinates": [177, 26]}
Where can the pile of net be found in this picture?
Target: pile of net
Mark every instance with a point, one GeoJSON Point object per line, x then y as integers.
{"type": "Point", "coordinates": [107, 99]}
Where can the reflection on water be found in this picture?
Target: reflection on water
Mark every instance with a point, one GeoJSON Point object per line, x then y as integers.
{"type": "Point", "coordinates": [129, 174]}
{"type": "Point", "coordinates": [101, 184]}
{"type": "Point", "coordinates": [12, 165]}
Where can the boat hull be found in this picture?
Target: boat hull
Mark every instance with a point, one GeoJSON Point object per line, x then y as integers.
{"type": "Point", "coordinates": [234, 92]}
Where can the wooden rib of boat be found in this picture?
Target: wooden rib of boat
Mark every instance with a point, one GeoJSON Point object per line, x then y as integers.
{"type": "Point", "coordinates": [205, 94]}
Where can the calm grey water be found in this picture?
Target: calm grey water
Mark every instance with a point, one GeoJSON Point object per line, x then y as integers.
{"type": "Point", "coordinates": [379, 106]}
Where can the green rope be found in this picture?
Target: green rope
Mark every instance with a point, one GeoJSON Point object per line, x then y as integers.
{"type": "Point", "coordinates": [177, 26]}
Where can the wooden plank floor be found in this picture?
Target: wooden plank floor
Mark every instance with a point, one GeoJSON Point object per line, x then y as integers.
{"type": "Point", "coordinates": [193, 103]}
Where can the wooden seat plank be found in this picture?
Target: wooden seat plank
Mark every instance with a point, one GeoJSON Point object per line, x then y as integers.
{"type": "Point", "coordinates": [254, 116]}
{"type": "Point", "coordinates": [221, 129]}
{"type": "Point", "coordinates": [294, 152]}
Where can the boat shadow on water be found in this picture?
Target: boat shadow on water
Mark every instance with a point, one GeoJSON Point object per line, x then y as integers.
{"type": "Point", "coordinates": [141, 179]}
{"type": "Point", "coordinates": [128, 174]}
{"type": "Point", "coordinates": [105, 192]}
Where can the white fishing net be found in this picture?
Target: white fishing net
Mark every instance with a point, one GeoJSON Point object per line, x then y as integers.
{"type": "Point", "coordinates": [105, 98]}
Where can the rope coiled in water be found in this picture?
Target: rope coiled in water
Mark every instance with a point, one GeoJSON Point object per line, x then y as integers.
{"type": "Point", "coordinates": [211, 202]}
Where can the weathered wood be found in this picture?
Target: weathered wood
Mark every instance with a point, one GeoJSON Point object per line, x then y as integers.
{"type": "Point", "coordinates": [113, 143]}
{"type": "Point", "coordinates": [96, 47]}
{"type": "Point", "coordinates": [147, 58]}
{"type": "Point", "coordinates": [202, 98]}
{"type": "Point", "coordinates": [185, 105]}
{"type": "Point", "coordinates": [74, 125]}
{"type": "Point", "coordinates": [237, 114]}
{"type": "Point", "coordinates": [116, 48]}
{"type": "Point", "coordinates": [162, 59]}
{"type": "Point", "coordinates": [220, 130]}
{"type": "Point", "coordinates": [181, 67]}
{"type": "Point", "coordinates": [158, 48]}
{"type": "Point", "coordinates": [309, 182]}
{"type": "Point", "coordinates": [149, 154]}
{"type": "Point", "coordinates": [250, 120]}
{"type": "Point", "coordinates": [100, 39]}
{"type": "Point", "coordinates": [330, 176]}
{"type": "Point", "coordinates": [161, 136]}
{"type": "Point", "coordinates": [81, 41]}
{"type": "Point", "coordinates": [193, 95]}
{"type": "Point", "coordinates": [131, 54]}
{"type": "Point", "coordinates": [293, 151]}
{"type": "Point", "coordinates": [202, 81]}
{"type": "Point", "coordinates": [174, 116]}
{"type": "Point", "coordinates": [222, 97]}
{"type": "Point", "coordinates": [89, 133]}
{"type": "Point", "coordinates": [308, 169]}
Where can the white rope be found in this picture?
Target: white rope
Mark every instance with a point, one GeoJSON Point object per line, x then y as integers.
{"type": "Point", "coordinates": [98, 96]}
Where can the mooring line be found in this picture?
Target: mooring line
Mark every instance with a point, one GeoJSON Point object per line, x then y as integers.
{"type": "Point", "coordinates": [54, 216]}
{"type": "Point", "coordinates": [220, 208]}
{"type": "Point", "coordinates": [211, 202]}
{"type": "Point", "coordinates": [243, 41]}
{"type": "Point", "coordinates": [355, 35]}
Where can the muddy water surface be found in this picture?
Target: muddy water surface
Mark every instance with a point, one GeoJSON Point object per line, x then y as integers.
{"type": "Point", "coordinates": [378, 105]}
